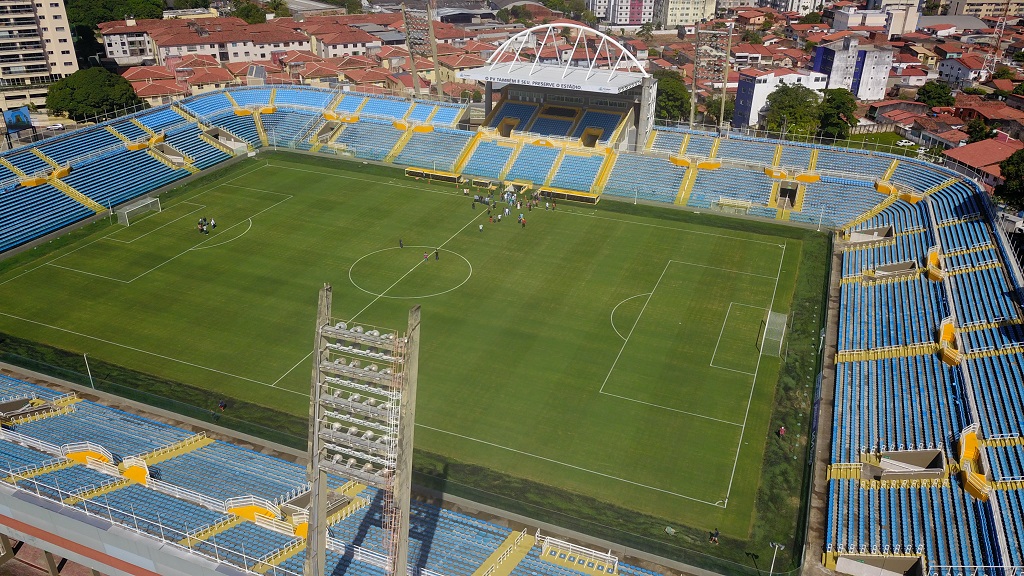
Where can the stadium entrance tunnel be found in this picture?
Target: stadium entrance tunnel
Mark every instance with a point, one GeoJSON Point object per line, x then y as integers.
{"type": "Point", "coordinates": [871, 565]}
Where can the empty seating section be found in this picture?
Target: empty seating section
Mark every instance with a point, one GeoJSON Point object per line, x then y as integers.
{"type": "Point", "coordinates": [999, 385]}
{"type": "Point", "coordinates": [318, 99]}
{"type": "Point", "coordinates": [891, 314]}
{"type": "Point", "coordinates": [549, 126]}
{"type": "Point", "coordinates": [242, 126]}
{"type": "Point", "coordinates": [63, 150]}
{"type": "Point", "coordinates": [187, 141]}
{"type": "Point", "coordinates": [14, 456]}
{"type": "Point", "coordinates": [207, 104]}
{"type": "Point", "coordinates": [223, 471]}
{"type": "Point", "coordinates": [28, 162]}
{"type": "Point", "coordinates": [966, 260]}
{"type": "Point", "coordinates": [255, 541]}
{"type": "Point", "coordinates": [835, 203]}
{"type": "Point", "coordinates": [521, 110]}
{"type": "Point", "coordinates": [437, 150]}
{"type": "Point", "coordinates": [700, 145]}
{"type": "Point", "coordinates": [12, 387]}
{"type": "Point", "coordinates": [420, 112]}
{"type": "Point", "coordinates": [29, 213]}
{"type": "Point", "coordinates": [62, 483]}
{"type": "Point", "coordinates": [251, 97]}
{"type": "Point", "coordinates": [917, 176]}
{"type": "Point", "coordinates": [133, 132]}
{"type": "Point", "coordinates": [1007, 462]}
{"type": "Point", "coordinates": [447, 114]}
{"type": "Point", "coordinates": [369, 138]}
{"type": "Point", "coordinates": [644, 177]}
{"type": "Point", "coordinates": [993, 338]}
{"type": "Point", "coordinates": [286, 127]}
{"type": "Point", "coordinates": [160, 119]}
{"type": "Point", "coordinates": [746, 150]}
{"type": "Point", "coordinates": [794, 156]}
{"type": "Point", "coordinates": [121, 433]}
{"type": "Point", "coordinates": [942, 523]}
{"type": "Point", "coordinates": [154, 512]}
{"type": "Point", "coordinates": [667, 141]}
{"type": "Point", "coordinates": [350, 102]}
{"type": "Point", "coordinates": [606, 121]}
{"type": "Point", "coordinates": [896, 404]}
{"type": "Point", "coordinates": [901, 216]}
{"type": "Point", "coordinates": [137, 173]}
{"type": "Point", "coordinates": [866, 167]}
{"type": "Point", "coordinates": [533, 164]}
{"type": "Point", "coordinates": [1011, 504]}
{"type": "Point", "coordinates": [905, 248]}
{"type": "Point", "coordinates": [577, 172]}
{"type": "Point", "coordinates": [386, 107]}
{"type": "Point", "coordinates": [954, 204]}
{"type": "Point", "coordinates": [488, 160]}
{"type": "Point", "coordinates": [733, 183]}
{"type": "Point", "coordinates": [983, 296]}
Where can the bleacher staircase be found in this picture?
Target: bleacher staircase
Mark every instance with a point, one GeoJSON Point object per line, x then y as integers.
{"type": "Point", "coordinates": [506, 557]}
{"type": "Point", "coordinates": [257, 119]}
{"type": "Point", "coordinates": [213, 529]}
{"type": "Point", "coordinates": [45, 158]}
{"type": "Point", "coordinates": [76, 195]}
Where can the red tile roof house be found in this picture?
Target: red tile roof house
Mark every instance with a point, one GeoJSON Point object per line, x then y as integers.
{"type": "Point", "coordinates": [984, 157]}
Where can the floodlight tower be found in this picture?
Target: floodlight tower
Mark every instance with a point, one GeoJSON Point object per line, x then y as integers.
{"type": "Point", "coordinates": [420, 40]}
{"type": "Point", "coordinates": [710, 61]}
{"type": "Point", "coordinates": [992, 58]}
{"type": "Point", "coordinates": [362, 411]}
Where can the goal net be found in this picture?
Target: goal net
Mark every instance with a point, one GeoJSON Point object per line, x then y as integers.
{"type": "Point", "coordinates": [131, 212]}
{"type": "Point", "coordinates": [774, 332]}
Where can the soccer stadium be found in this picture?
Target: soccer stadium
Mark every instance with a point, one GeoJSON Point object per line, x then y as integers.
{"type": "Point", "coordinates": [691, 352]}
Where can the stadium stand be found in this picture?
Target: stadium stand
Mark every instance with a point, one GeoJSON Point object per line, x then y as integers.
{"type": "Point", "coordinates": [251, 97]}
{"type": "Point", "coordinates": [386, 106]}
{"type": "Point", "coordinates": [521, 111]}
{"type": "Point", "coordinates": [646, 177]}
{"type": "Point", "coordinates": [286, 127]}
{"type": "Point", "coordinates": [607, 122]}
{"type": "Point", "coordinates": [301, 97]}
{"type": "Point", "coordinates": [577, 172]}
{"type": "Point", "coordinates": [438, 149]}
{"type": "Point", "coordinates": [533, 164]}
{"type": "Point", "coordinates": [488, 160]}
{"type": "Point", "coordinates": [369, 138]}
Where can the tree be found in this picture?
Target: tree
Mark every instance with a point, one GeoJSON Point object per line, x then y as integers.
{"type": "Point", "coordinates": [752, 37]}
{"type": "Point", "coordinates": [1018, 56]}
{"type": "Point", "coordinates": [588, 18]}
{"type": "Point", "coordinates": [837, 114]}
{"type": "Point", "coordinates": [86, 44]}
{"type": "Point", "coordinates": [646, 32]}
{"type": "Point", "coordinates": [977, 130]}
{"type": "Point", "coordinates": [812, 18]}
{"type": "Point", "coordinates": [934, 93]}
{"type": "Point", "coordinates": [353, 6]}
{"type": "Point", "coordinates": [1019, 89]}
{"type": "Point", "coordinates": [713, 107]}
{"type": "Point", "coordinates": [89, 93]}
{"type": "Point", "coordinates": [505, 15]}
{"type": "Point", "coordinates": [793, 109]}
{"type": "Point", "coordinates": [974, 91]}
{"type": "Point", "coordinates": [279, 8]}
{"type": "Point", "coordinates": [185, 4]}
{"type": "Point", "coordinates": [1004, 73]}
{"type": "Point", "coordinates": [250, 12]}
{"type": "Point", "coordinates": [92, 12]}
{"type": "Point", "coordinates": [673, 98]}
{"type": "Point", "coordinates": [1011, 190]}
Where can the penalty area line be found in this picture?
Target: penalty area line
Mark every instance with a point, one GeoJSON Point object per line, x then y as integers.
{"type": "Point", "coordinates": [573, 466]}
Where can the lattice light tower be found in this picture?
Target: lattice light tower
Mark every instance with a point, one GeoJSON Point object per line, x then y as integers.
{"type": "Point", "coordinates": [993, 57]}
{"type": "Point", "coordinates": [711, 61]}
{"type": "Point", "coordinates": [362, 410]}
{"type": "Point", "coordinates": [420, 40]}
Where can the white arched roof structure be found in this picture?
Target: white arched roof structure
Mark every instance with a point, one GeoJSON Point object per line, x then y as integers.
{"type": "Point", "coordinates": [590, 61]}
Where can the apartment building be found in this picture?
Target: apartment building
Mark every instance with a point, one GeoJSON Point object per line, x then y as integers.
{"type": "Point", "coordinates": [756, 85]}
{"type": "Point", "coordinates": [672, 13]}
{"type": "Point", "coordinates": [861, 69]}
{"type": "Point", "coordinates": [35, 50]}
{"type": "Point", "coordinates": [986, 8]}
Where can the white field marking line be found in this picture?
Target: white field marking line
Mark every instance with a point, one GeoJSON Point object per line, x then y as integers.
{"type": "Point", "coordinates": [249, 220]}
{"type": "Point", "coordinates": [197, 246]}
{"type": "Point", "coordinates": [304, 358]}
{"type": "Point", "coordinates": [635, 322]}
{"type": "Point", "coordinates": [258, 190]}
{"type": "Point", "coordinates": [611, 316]}
{"type": "Point", "coordinates": [70, 269]}
{"type": "Point", "coordinates": [687, 230]}
{"type": "Point", "coordinates": [672, 409]}
{"type": "Point", "coordinates": [726, 269]}
{"type": "Point", "coordinates": [69, 252]}
{"type": "Point", "coordinates": [439, 246]}
{"type": "Point", "coordinates": [750, 398]}
{"type": "Point", "coordinates": [734, 370]}
{"type": "Point", "coordinates": [580, 468]}
{"type": "Point", "coordinates": [200, 366]}
{"type": "Point", "coordinates": [200, 207]}
{"type": "Point", "coordinates": [722, 332]}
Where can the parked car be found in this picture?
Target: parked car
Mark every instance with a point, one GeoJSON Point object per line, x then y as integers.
{"type": "Point", "coordinates": [905, 143]}
{"type": "Point", "coordinates": [55, 127]}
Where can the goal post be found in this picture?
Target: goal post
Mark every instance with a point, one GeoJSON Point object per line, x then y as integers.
{"type": "Point", "coordinates": [132, 211]}
{"type": "Point", "coordinates": [774, 332]}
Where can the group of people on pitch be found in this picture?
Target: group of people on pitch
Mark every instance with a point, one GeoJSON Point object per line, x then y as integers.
{"type": "Point", "coordinates": [204, 227]}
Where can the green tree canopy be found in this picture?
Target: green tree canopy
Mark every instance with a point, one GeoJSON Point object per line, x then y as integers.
{"type": "Point", "coordinates": [977, 130]}
{"type": "Point", "coordinates": [793, 109]}
{"type": "Point", "coordinates": [89, 93]}
{"type": "Point", "coordinates": [92, 12]}
{"type": "Point", "coordinates": [1004, 73]}
{"type": "Point", "coordinates": [935, 93]}
{"type": "Point", "coordinates": [646, 32]}
{"type": "Point", "coordinates": [1011, 190]}
{"type": "Point", "coordinates": [812, 18]}
{"type": "Point", "coordinates": [713, 107]}
{"type": "Point", "coordinates": [673, 98]}
{"type": "Point", "coordinates": [837, 114]}
{"type": "Point", "coordinates": [1019, 89]}
{"type": "Point", "coordinates": [279, 8]}
{"type": "Point", "coordinates": [753, 37]}
{"type": "Point", "coordinates": [250, 12]}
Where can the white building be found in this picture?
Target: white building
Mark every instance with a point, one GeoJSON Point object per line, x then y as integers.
{"type": "Point", "coordinates": [35, 38]}
{"type": "Point", "coordinates": [804, 7]}
{"type": "Point", "coordinates": [672, 13]}
{"type": "Point", "coordinates": [959, 72]}
{"type": "Point", "coordinates": [861, 69]}
{"type": "Point", "coordinates": [623, 12]}
{"type": "Point", "coordinates": [756, 85]}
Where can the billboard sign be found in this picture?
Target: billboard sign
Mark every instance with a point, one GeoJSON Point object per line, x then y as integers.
{"type": "Point", "coordinates": [17, 119]}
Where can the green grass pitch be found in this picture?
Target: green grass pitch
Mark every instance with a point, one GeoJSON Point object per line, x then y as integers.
{"type": "Point", "coordinates": [611, 355]}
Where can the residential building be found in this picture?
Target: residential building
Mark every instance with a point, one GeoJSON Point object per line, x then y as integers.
{"type": "Point", "coordinates": [965, 71]}
{"type": "Point", "coordinates": [861, 69]}
{"type": "Point", "coordinates": [986, 8]}
{"type": "Point", "coordinates": [802, 7]}
{"type": "Point", "coordinates": [756, 85]}
{"type": "Point", "coordinates": [672, 13]}
{"type": "Point", "coordinates": [923, 55]}
{"type": "Point", "coordinates": [35, 37]}
{"type": "Point", "coordinates": [984, 157]}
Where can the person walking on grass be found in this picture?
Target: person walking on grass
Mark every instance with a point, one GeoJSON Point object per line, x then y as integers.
{"type": "Point", "coordinates": [437, 254]}
{"type": "Point", "coordinates": [714, 537]}
{"type": "Point", "coordinates": [400, 244]}
{"type": "Point", "coordinates": [782, 432]}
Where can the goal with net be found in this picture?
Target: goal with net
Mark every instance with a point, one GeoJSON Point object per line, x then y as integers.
{"type": "Point", "coordinates": [133, 211]}
{"type": "Point", "coordinates": [774, 332]}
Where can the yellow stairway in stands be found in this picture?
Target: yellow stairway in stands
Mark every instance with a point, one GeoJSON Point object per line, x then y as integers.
{"type": "Point", "coordinates": [45, 468]}
{"type": "Point", "coordinates": [941, 186]}
{"type": "Point", "coordinates": [686, 186]}
{"type": "Point", "coordinates": [119, 136]}
{"type": "Point", "coordinates": [511, 160]}
{"type": "Point", "coordinates": [605, 171]}
{"type": "Point", "coordinates": [180, 110]}
{"type": "Point", "coordinates": [257, 119]}
{"type": "Point", "coordinates": [892, 169]}
{"type": "Point", "coordinates": [212, 530]}
{"type": "Point", "coordinates": [466, 154]}
{"type": "Point", "coordinates": [397, 148]}
{"type": "Point", "coordinates": [554, 167]}
{"type": "Point", "coordinates": [17, 171]}
{"type": "Point", "coordinates": [45, 158]}
{"type": "Point", "coordinates": [279, 556]}
{"type": "Point", "coordinates": [231, 99]}
{"type": "Point", "coordinates": [98, 491]}
{"type": "Point", "coordinates": [506, 557]}
{"type": "Point", "coordinates": [147, 129]}
{"type": "Point", "coordinates": [76, 195]}
{"type": "Point", "coordinates": [185, 446]}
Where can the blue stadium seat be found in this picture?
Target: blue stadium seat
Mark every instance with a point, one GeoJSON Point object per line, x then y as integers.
{"type": "Point", "coordinates": [488, 160]}
{"type": "Point", "coordinates": [533, 164]}
{"type": "Point", "coordinates": [438, 149]}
